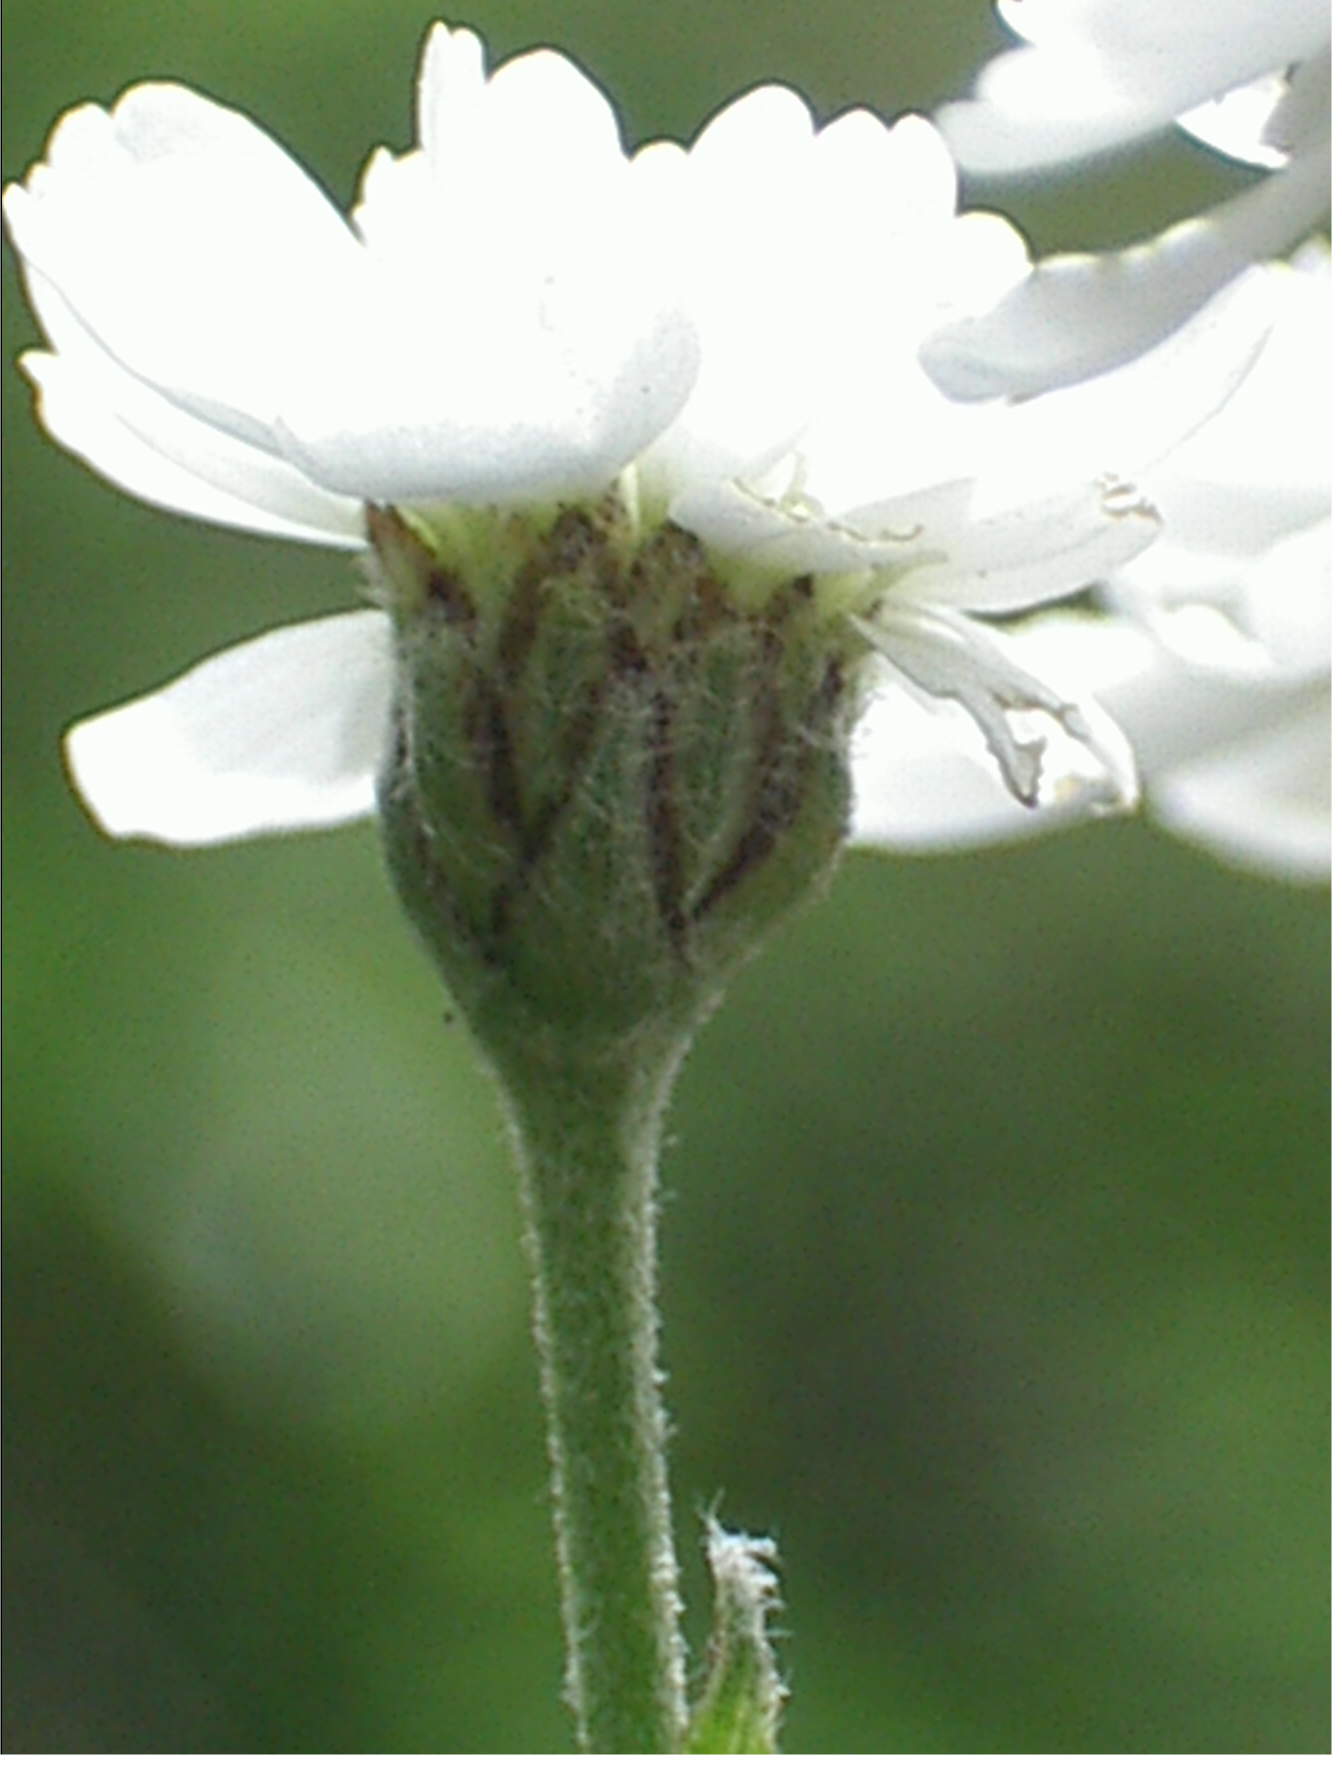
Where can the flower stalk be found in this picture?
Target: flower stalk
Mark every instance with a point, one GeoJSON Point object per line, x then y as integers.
{"type": "Point", "coordinates": [586, 1137]}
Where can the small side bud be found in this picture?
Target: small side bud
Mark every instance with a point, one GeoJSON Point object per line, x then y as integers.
{"type": "Point", "coordinates": [739, 1711]}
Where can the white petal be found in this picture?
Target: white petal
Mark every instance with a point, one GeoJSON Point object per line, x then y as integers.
{"type": "Point", "coordinates": [768, 122]}
{"type": "Point", "coordinates": [1275, 432]}
{"type": "Point", "coordinates": [450, 89]}
{"type": "Point", "coordinates": [1238, 764]}
{"type": "Point", "coordinates": [519, 353]}
{"type": "Point", "coordinates": [930, 544]}
{"type": "Point", "coordinates": [284, 732]}
{"type": "Point", "coordinates": [396, 192]}
{"type": "Point", "coordinates": [1029, 111]}
{"type": "Point", "coordinates": [1264, 617]}
{"type": "Point", "coordinates": [923, 781]}
{"type": "Point", "coordinates": [1238, 32]}
{"type": "Point", "coordinates": [1175, 713]}
{"type": "Point", "coordinates": [919, 167]}
{"type": "Point", "coordinates": [1270, 119]}
{"type": "Point", "coordinates": [140, 441]}
{"type": "Point", "coordinates": [1263, 803]}
{"type": "Point", "coordinates": [1239, 768]}
{"type": "Point", "coordinates": [141, 444]}
{"type": "Point", "coordinates": [537, 122]}
{"type": "Point", "coordinates": [923, 784]}
{"type": "Point", "coordinates": [982, 260]}
{"type": "Point", "coordinates": [544, 110]}
{"type": "Point", "coordinates": [1238, 122]}
{"type": "Point", "coordinates": [1080, 315]}
{"type": "Point", "coordinates": [1032, 552]}
{"type": "Point", "coordinates": [1267, 121]}
{"type": "Point", "coordinates": [1103, 72]}
{"type": "Point", "coordinates": [735, 194]}
{"type": "Point", "coordinates": [1049, 749]}
{"type": "Point", "coordinates": [526, 358]}
{"type": "Point", "coordinates": [1304, 116]}
{"type": "Point", "coordinates": [789, 337]}
{"type": "Point", "coordinates": [557, 404]}
{"type": "Point", "coordinates": [1287, 600]}
{"type": "Point", "coordinates": [193, 248]}
{"type": "Point", "coordinates": [1118, 424]}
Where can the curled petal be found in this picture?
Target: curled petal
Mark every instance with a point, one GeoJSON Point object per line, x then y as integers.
{"type": "Point", "coordinates": [921, 784]}
{"type": "Point", "coordinates": [1238, 766]}
{"type": "Point", "coordinates": [922, 780]}
{"type": "Point", "coordinates": [1048, 749]}
{"type": "Point", "coordinates": [282, 733]}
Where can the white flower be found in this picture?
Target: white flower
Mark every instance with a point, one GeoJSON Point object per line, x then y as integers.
{"type": "Point", "coordinates": [1215, 660]}
{"type": "Point", "coordinates": [1250, 80]}
{"type": "Point", "coordinates": [518, 311]}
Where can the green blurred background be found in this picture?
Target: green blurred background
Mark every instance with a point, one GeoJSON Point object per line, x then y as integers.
{"type": "Point", "coordinates": [995, 1266]}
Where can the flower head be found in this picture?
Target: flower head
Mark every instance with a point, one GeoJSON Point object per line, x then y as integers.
{"type": "Point", "coordinates": [518, 316]}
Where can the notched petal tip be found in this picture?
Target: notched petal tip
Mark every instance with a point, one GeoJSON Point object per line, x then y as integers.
{"type": "Point", "coordinates": [767, 118]}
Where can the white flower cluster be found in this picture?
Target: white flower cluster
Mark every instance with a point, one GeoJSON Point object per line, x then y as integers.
{"type": "Point", "coordinates": [519, 310]}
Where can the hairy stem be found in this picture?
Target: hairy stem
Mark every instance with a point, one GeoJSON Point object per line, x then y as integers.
{"type": "Point", "coordinates": [587, 1138]}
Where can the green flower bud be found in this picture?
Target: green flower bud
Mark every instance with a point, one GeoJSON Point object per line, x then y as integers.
{"type": "Point", "coordinates": [617, 761]}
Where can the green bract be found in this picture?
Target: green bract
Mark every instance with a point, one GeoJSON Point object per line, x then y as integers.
{"type": "Point", "coordinates": [616, 760]}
